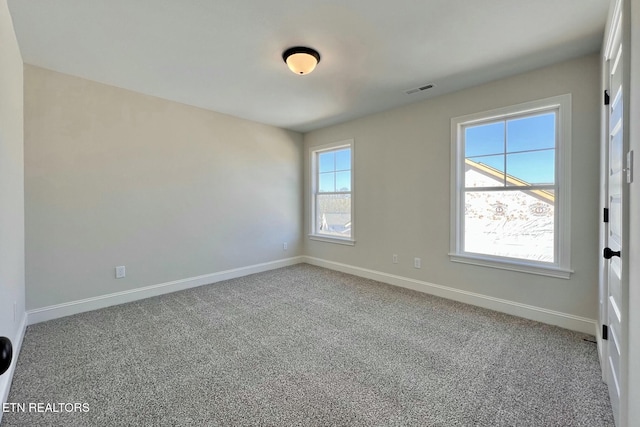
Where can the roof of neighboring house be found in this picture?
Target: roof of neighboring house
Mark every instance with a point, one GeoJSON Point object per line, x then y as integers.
{"type": "Point", "coordinates": [492, 172]}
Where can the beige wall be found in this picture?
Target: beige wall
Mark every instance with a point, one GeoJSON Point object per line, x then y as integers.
{"type": "Point", "coordinates": [402, 170]}
{"type": "Point", "coordinates": [12, 282]}
{"type": "Point", "coordinates": [170, 191]}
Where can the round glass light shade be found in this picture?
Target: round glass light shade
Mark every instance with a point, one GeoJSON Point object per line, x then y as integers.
{"type": "Point", "coordinates": [301, 60]}
{"type": "Point", "coordinates": [301, 63]}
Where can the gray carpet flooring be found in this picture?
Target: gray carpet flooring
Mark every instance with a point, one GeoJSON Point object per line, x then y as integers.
{"type": "Point", "coordinates": [307, 346]}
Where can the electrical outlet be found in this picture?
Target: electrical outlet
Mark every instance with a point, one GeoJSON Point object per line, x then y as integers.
{"type": "Point", "coordinates": [285, 246]}
{"type": "Point", "coordinates": [120, 272]}
{"type": "Point", "coordinates": [417, 262]}
{"type": "Point", "coordinates": [395, 258]}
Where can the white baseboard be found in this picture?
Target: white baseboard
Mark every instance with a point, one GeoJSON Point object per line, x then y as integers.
{"type": "Point", "coordinates": [7, 377]}
{"type": "Point", "coordinates": [564, 320]}
{"type": "Point", "coordinates": [74, 307]}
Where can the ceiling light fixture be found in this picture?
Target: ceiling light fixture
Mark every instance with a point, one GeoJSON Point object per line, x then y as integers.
{"type": "Point", "coordinates": [301, 60]}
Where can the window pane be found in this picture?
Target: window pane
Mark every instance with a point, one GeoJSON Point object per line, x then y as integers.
{"type": "Point", "coordinates": [484, 139]}
{"type": "Point", "coordinates": [486, 171]}
{"type": "Point", "coordinates": [343, 181]}
{"type": "Point", "coordinates": [343, 160]}
{"type": "Point", "coordinates": [531, 133]}
{"type": "Point", "coordinates": [326, 162]}
{"type": "Point", "coordinates": [536, 167]}
{"type": "Point", "coordinates": [327, 183]}
{"type": "Point", "coordinates": [514, 224]}
{"type": "Point", "coordinates": [333, 214]}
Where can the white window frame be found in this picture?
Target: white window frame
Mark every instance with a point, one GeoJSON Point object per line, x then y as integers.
{"type": "Point", "coordinates": [313, 159]}
{"type": "Point", "coordinates": [561, 268]}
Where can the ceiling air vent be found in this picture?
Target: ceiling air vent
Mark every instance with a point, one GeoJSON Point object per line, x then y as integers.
{"type": "Point", "coordinates": [418, 89]}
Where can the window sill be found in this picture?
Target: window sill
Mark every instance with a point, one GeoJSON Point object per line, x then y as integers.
{"type": "Point", "coordinates": [329, 239]}
{"type": "Point", "coordinates": [522, 267]}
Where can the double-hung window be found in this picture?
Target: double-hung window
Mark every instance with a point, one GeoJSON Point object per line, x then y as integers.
{"type": "Point", "coordinates": [511, 187]}
{"type": "Point", "coordinates": [332, 192]}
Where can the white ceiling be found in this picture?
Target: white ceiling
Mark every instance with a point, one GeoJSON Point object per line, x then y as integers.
{"type": "Point", "coordinates": [226, 55]}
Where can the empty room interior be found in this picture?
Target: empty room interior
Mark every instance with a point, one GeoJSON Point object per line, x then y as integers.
{"type": "Point", "coordinates": [319, 213]}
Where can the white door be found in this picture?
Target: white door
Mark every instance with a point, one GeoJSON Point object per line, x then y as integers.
{"type": "Point", "coordinates": [614, 309]}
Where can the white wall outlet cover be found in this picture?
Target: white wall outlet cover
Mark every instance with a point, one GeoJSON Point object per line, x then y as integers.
{"type": "Point", "coordinates": [120, 272]}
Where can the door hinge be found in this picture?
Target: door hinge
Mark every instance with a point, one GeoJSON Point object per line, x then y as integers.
{"type": "Point", "coordinates": [605, 332]}
{"type": "Point", "coordinates": [605, 216]}
{"type": "Point", "coordinates": [606, 97]}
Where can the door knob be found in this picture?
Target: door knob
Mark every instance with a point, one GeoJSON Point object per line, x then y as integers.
{"type": "Point", "coordinates": [6, 353]}
{"type": "Point", "coordinates": [608, 253]}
